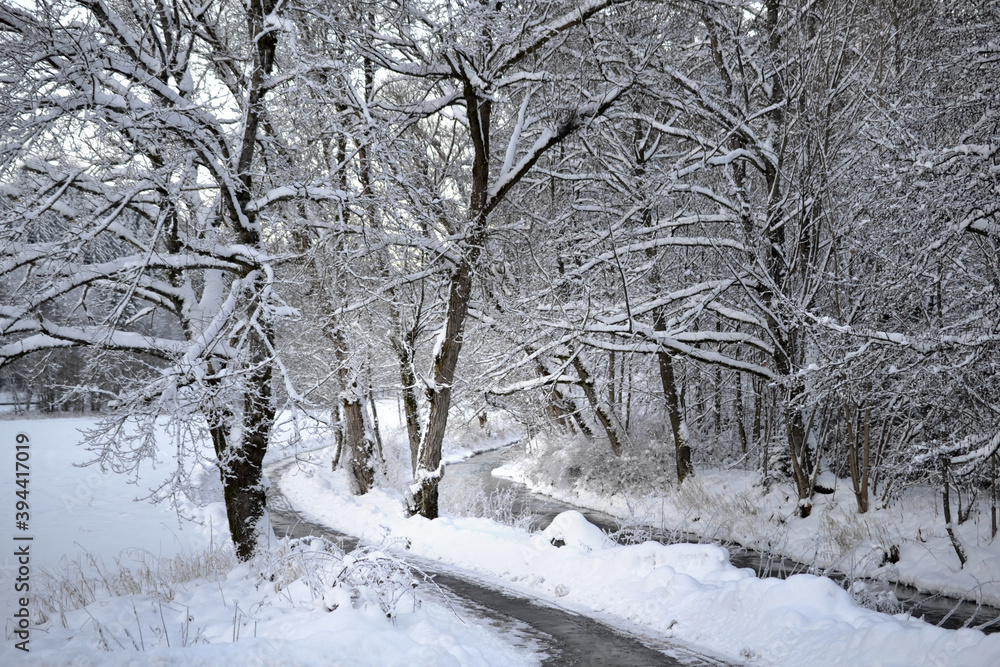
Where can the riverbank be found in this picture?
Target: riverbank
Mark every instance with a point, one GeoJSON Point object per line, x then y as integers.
{"type": "Point", "coordinates": [114, 579]}
{"type": "Point", "coordinates": [904, 542]}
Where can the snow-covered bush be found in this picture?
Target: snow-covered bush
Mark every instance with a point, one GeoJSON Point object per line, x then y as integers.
{"type": "Point", "coordinates": [498, 505]}
{"type": "Point", "coordinates": [79, 583]}
{"type": "Point", "coordinates": [366, 576]}
{"type": "Point", "coordinates": [575, 462]}
{"type": "Point", "coordinates": [139, 591]}
{"type": "Point", "coordinates": [874, 595]}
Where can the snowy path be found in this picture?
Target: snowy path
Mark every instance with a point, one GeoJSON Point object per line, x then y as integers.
{"type": "Point", "coordinates": [566, 637]}
{"type": "Point", "coordinates": [687, 594]}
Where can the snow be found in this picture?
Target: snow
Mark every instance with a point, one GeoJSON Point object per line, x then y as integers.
{"type": "Point", "coordinates": [574, 531]}
{"type": "Point", "coordinates": [224, 616]}
{"type": "Point", "coordinates": [685, 593]}
{"type": "Point", "coordinates": [688, 593]}
{"type": "Point", "coordinates": [72, 506]}
{"type": "Point", "coordinates": [730, 506]}
{"type": "Point", "coordinates": [287, 629]}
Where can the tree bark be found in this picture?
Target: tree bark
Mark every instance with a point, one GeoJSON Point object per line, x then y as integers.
{"type": "Point", "coordinates": [675, 408]}
{"type": "Point", "coordinates": [357, 440]}
{"type": "Point", "coordinates": [360, 448]}
{"type": "Point", "coordinates": [338, 433]}
{"type": "Point", "coordinates": [857, 456]}
{"type": "Point", "coordinates": [478, 113]}
{"type": "Point", "coordinates": [559, 406]}
{"type": "Point", "coordinates": [739, 411]}
{"type": "Point", "coordinates": [241, 462]}
{"type": "Point", "coordinates": [946, 499]}
{"type": "Point", "coordinates": [241, 459]}
{"type": "Point", "coordinates": [376, 431]}
{"type": "Point", "coordinates": [411, 408]}
{"type": "Point", "coordinates": [429, 470]}
{"type": "Point", "coordinates": [993, 494]}
{"type": "Point", "coordinates": [605, 417]}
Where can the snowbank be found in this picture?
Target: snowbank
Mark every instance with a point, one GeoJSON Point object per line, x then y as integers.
{"type": "Point", "coordinates": [168, 603]}
{"type": "Point", "coordinates": [730, 506]}
{"type": "Point", "coordinates": [690, 593]}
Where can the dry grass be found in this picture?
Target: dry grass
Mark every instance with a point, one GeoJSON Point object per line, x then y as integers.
{"type": "Point", "coordinates": [134, 573]}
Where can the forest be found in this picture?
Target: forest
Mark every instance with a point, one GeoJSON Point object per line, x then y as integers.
{"type": "Point", "coordinates": [759, 234]}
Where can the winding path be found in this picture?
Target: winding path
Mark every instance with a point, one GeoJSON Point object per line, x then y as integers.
{"type": "Point", "coordinates": [565, 638]}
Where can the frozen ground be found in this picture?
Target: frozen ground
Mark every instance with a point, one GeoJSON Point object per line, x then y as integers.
{"type": "Point", "coordinates": [156, 591]}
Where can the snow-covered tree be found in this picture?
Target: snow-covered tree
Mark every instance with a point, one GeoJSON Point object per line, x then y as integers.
{"type": "Point", "coordinates": [479, 73]}
{"type": "Point", "coordinates": [135, 220]}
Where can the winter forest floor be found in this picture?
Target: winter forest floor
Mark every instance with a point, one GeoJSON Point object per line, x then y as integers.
{"type": "Point", "coordinates": [145, 580]}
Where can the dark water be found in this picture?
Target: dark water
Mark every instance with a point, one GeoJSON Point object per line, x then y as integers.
{"type": "Point", "coordinates": [475, 473]}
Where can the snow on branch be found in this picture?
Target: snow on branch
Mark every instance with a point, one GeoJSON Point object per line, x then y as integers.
{"type": "Point", "coordinates": [982, 223]}
{"type": "Point", "coordinates": [545, 33]}
{"type": "Point", "coordinates": [662, 242]}
{"type": "Point", "coordinates": [54, 336]}
{"type": "Point", "coordinates": [535, 383]}
{"type": "Point", "coordinates": [287, 192]}
{"type": "Point", "coordinates": [924, 345]}
{"type": "Point", "coordinates": [549, 138]}
{"type": "Point", "coordinates": [657, 341]}
{"type": "Point", "coordinates": [988, 447]}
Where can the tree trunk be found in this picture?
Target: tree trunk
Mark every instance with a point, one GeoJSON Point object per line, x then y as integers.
{"type": "Point", "coordinates": [424, 491]}
{"type": "Point", "coordinates": [739, 413]}
{"type": "Point", "coordinates": [946, 498]}
{"type": "Point", "coordinates": [338, 433]}
{"type": "Point", "coordinates": [429, 472]}
{"type": "Point", "coordinates": [799, 450]}
{"type": "Point", "coordinates": [717, 389]}
{"type": "Point", "coordinates": [758, 408]}
{"type": "Point", "coordinates": [241, 462]}
{"type": "Point", "coordinates": [376, 431]}
{"type": "Point", "coordinates": [606, 417]}
{"type": "Point", "coordinates": [857, 461]}
{"type": "Point", "coordinates": [360, 448]}
{"type": "Point", "coordinates": [866, 458]}
{"type": "Point", "coordinates": [560, 407]}
{"type": "Point", "coordinates": [357, 439]}
{"type": "Point", "coordinates": [612, 399]}
{"type": "Point", "coordinates": [628, 393]}
{"type": "Point", "coordinates": [775, 289]}
{"type": "Point", "coordinates": [411, 409]}
{"type": "Point", "coordinates": [478, 113]}
{"type": "Point", "coordinates": [675, 408]}
{"type": "Point", "coordinates": [993, 494]}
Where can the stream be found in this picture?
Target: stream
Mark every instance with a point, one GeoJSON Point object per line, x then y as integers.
{"type": "Point", "coordinates": [465, 478]}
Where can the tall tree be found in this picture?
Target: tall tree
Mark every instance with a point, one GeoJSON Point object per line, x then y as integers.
{"type": "Point", "coordinates": [133, 190]}
{"type": "Point", "coordinates": [484, 67]}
